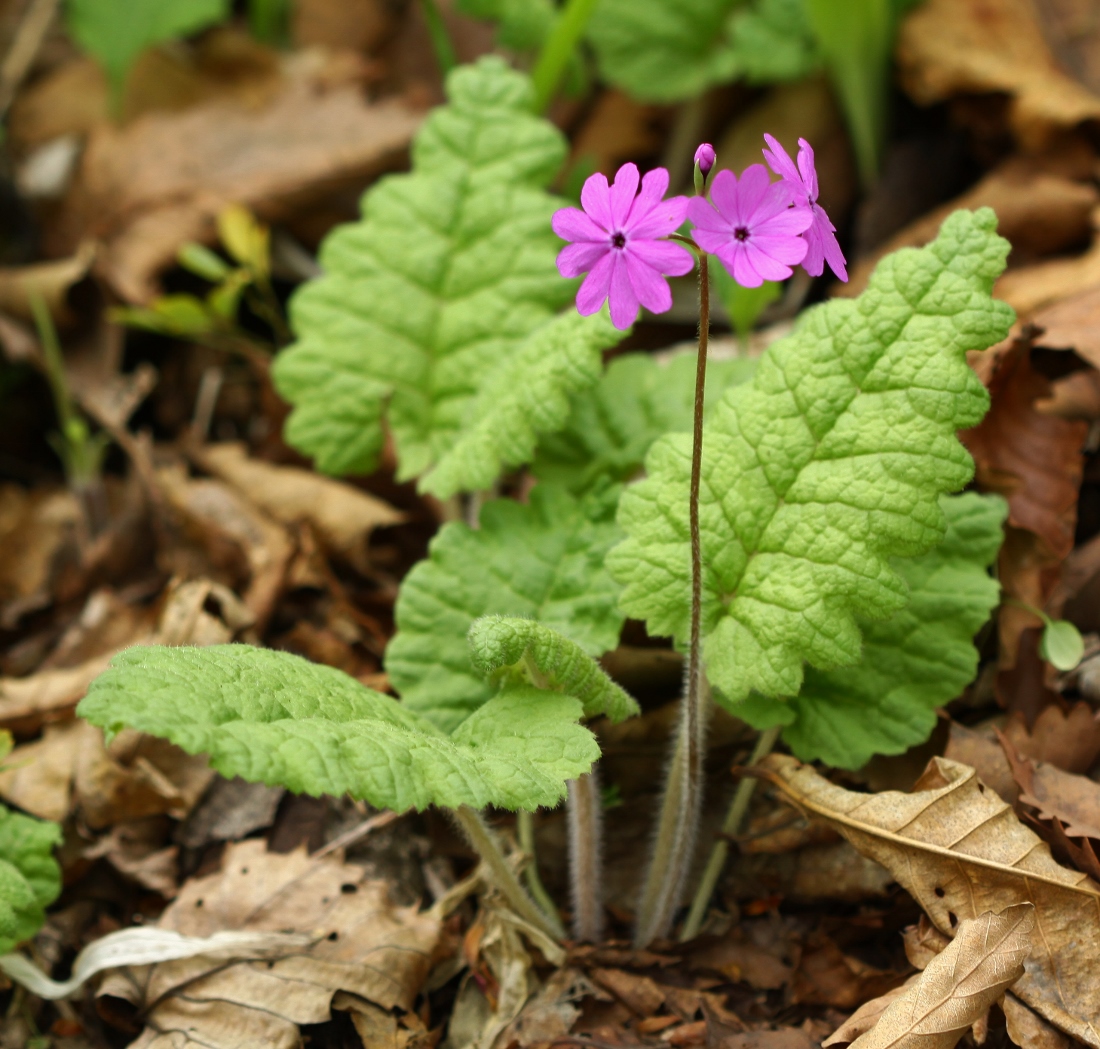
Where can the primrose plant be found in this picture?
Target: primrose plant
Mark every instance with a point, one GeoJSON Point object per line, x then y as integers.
{"type": "Point", "coordinates": [788, 522]}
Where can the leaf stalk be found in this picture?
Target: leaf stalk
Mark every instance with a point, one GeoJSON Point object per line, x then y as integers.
{"type": "Point", "coordinates": [558, 49]}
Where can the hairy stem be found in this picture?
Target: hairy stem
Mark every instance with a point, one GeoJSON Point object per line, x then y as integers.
{"type": "Point", "coordinates": [558, 49]}
{"type": "Point", "coordinates": [525, 828]}
{"type": "Point", "coordinates": [585, 812]}
{"type": "Point", "coordinates": [730, 826]}
{"type": "Point", "coordinates": [484, 841]}
{"type": "Point", "coordinates": [441, 39]}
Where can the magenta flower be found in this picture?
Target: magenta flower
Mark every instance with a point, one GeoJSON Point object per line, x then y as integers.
{"type": "Point", "coordinates": [821, 234]}
{"type": "Point", "coordinates": [704, 157]}
{"type": "Point", "coordinates": [617, 241]}
{"type": "Point", "coordinates": [751, 226]}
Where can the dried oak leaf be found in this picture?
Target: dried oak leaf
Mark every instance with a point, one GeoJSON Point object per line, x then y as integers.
{"type": "Point", "coordinates": [958, 986]}
{"type": "Point", "coordinates": [365, 946]}
{"type": "Point", "coordinates": [960, 851]}
{"type": "Point", "coordinates": [953, 47]}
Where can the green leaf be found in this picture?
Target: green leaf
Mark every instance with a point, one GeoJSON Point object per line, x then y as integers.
{"type": "Point", "coordinates": [30, 879]}
{"type": "Point", "coordinates": [829, 463]}
{"type": "Point", "coordinates": [522, 25]}
{"type": "Point", "coordinates": [115, 32]}
{"type": "Point", "coordinates": [1061, 645]}
{"type": "Point", "coordinates": [543, 560]}
{"type": "Point", "coordinates": [773, 41]}
{"type": "Point", "coordinates": [525, 396]}
{"type": "Point", "coordinates": [448, 272]}
{"type": "Point", "coordinates": [507, 642]}
{"type": "Point", "coordinates": [920, 659]}
{"type": "Point", "coordinates": [275, 718]}
{"type": "Point", "coordinates": [744, 305]}
{"type": "Point", "coordinates": [612, 425]}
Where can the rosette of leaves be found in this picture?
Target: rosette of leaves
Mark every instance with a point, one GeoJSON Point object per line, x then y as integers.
{"type": "Point", "coordinates": [276, 718]}
{"type": "Point", "coordinates": [918, 660]}
{"type": "Point", "coordinates": [543, 560]}
{"type": "Point", "coordinates": [819, 472]}
{"type": "Point", "coordinates": [30, 878]}
{"type": "Point", "coordinates": [436, 314]}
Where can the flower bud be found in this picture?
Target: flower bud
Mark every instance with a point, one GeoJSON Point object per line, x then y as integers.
{"type": "Point", "coordinates": [704, 162]}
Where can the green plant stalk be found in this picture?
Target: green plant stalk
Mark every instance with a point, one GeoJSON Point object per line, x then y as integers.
{"type": "Point", "coordinates": [730, 826]}
{"type": "Point", "coordinates": [267, 19]}
{"type": "Point", "coordinates": [441, 39]}
{"type": "Point", "coordinates": [584, 810]}
{"type": "Point", "coordinates": [485, 844]}
{"type": "Point", "coordinates": [679, 818]}
{"type": "Point", "coordinates": [556, 52]}
{"type": "Point", "coordinates": [525, 831]}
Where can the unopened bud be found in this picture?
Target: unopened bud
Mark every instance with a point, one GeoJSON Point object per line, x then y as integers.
{"type": "Point", "coordinates": [704, 161]}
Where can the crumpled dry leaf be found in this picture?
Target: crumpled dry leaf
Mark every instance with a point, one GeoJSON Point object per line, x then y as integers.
{"type": "Point", "coordinates": [1029, 1030]}
{"type": "Point", "coordinates": [1072, 324]}
{"type": "Point", "coordinates": [551, 1012]}
{"type": "Point", "coordinates": [50, 281]}
{"type": "Point", "coordinates": [230, 810]}
{"type": "Point", "coordinates": [825, 975]}
{"type": "Point", "coordinates": [1029, 289]}
{"type": "Point", "coordinates": [951, 47]}
{"type": "Point", "coordinates": [958, 986]}
{"type": "Point", "coordinates": [147, 188]}
{"type": "Point", "coordinates": [342, 516]}
{"type": "Point", "coordinates": [960, 851]}
{"type": "Point", "coordinates": [137, 850]}
{"type": "Point", "coordinates": [363, 945]}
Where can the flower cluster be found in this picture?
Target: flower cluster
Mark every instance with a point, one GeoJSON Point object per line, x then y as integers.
{"type": "Point", "coordinates": [757, 228]}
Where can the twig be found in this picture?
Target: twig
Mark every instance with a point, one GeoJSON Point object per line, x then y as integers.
{"type": "Point", "coordinates": [33, 27]}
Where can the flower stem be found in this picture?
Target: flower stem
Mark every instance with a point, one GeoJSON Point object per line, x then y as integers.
{"type": "Point", "coordinates": [441, 39]}
{"type": "Point", "coordinates": [525, 828]}
{"type": "Point", "coordinates": [484, 841]}
{"type": "Point", "coordinates": [730, 826]}
{"type": "Point", "coordinates": [586, 856]}
{"type": "Point", "coordinates": [683, 797]}
{"type": "Point", "coordinates": [558, 49]}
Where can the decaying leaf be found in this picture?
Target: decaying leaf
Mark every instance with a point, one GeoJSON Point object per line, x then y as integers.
{"type": "Point", "coordinates": [960, 851]}
{"type": "Point", "coordinates": [958, 986]}
{"type": "Point", "coordinates": [362, 945]}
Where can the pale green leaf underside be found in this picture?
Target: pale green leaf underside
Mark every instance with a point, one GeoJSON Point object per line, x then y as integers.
{"type": "Point", "coordinates": [543, 561]}
{"type": "Point", "coordinates": [918, 660]}
{"type": "Point", "coordinates": [500, 642]}
{"type": "Point", "coordinates": [612, 424]}
{"type": "Point", "coordinates": [30, 878]}
{"type": "Point", "coordinates": [450, 269]}
{"type": "Point", "coordinates": [275, 718]}
{"type": "Point", "coordinates": [830, 462]}
{"type": "Point", "coordinates": [525, 396]}
{"type": "Point", "coordinates": [115, 32]}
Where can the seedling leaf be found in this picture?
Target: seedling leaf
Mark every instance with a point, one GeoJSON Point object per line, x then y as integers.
{"type": "Point", "coordinates": [1062, 645]}
{"type": "Point", "coordinates": [275, 718]}
{"type": "Point", "coordinates": [30, 878]}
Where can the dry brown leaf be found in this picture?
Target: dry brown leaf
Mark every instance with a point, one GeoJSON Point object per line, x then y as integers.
{"type": "Point", "coordinates": [958, 986]}
{"type": "Point", "coordinates": [960, 851]}
{"type": "Point", "coordinates": [979, 749]}
{"type": "Point", "coordinates": [781, 1038]}
{"type": "Point", "coordinates": [738, 958]}
{"type": "Point", "coordinates": [1029, 1030]}
{"type": "Point", "coordinates": [342, 516]}
{"type": "Point", "coordinates": [825, 975]}
{"type": "Point", "coordinates": [364, 946]}
{"type": "Point", "coordinates": [1029, 289]}
{"type": "Point", "coordinates": [923, 942]}
{"type": "Point", "coordinates": [50, 281]}
{"type": "Point", "coordinates": [359, 24]}
{"type": "Point", "coordinates": [1069, 739]}
{"type": "Point", "coordinates": [867, 1015]}
{"type": "Point", "coordinates": [137, 849]}
{"type": "Point", "coordinates": [551, 1013]}
{"type": "Point", "coordinates": [951, 47]}
{"type": "Point", "coordinates": [1073, 324]}
{"type": "Point", "coordinates": [230, 810]}
{"type": "Point", "coordinates": [29, 702]}
{"type": "Point", "coordinates": [147, 188]}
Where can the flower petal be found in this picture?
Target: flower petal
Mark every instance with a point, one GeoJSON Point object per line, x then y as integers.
{"type": "Point", "coordinates": [753, 194]}
{"type": "Point", "coordinates": [594, 200]}
{"type": "Point", "coordinates": [654, 187]}
{"type": "Point", "coordinates": [664, 218]}
{"type": "Point", "coordinates": [736, 260]}
{"type": "Point", "coordinates": [724, 196]}
{"type": "Point", "coordinates": [814, 262]}
{"type": "Point", "coordinates": [705, 216]}
{"type": "Point", "coordinates": [779, 160]}
{"type": "Point", "coordinates": [788, 250]}
{"type": "Point", "coordinates": [766, 265]}
{"type": "Point", "coordinates": [596, 286]}
{"type": "Point", "coordinates": [807, 169]}
{"type": "Point", "coordinates": [575, 259]}
{"type": "Point", "coordinates": [833, 255]}
{"type": "Point", "coordinates": [574, 224]}
{"type": "Point", "coordinates": [649, 286]}
{"type": "Point", "coordinates": [621, 195]}
{"type": "Point", "coordinates": [624, 302]}
{"type": "Point", "coordinates": [786, 221]}
{"type": "Point", "coordinates": [664, 256]}
{"type": "Point", "coordinates": [714, 242]}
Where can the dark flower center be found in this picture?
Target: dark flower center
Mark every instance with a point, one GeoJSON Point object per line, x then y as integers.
{"type": "Point", "coordinates": [741, 233]}
{"type": "Point", "coordinates": [618, 240]}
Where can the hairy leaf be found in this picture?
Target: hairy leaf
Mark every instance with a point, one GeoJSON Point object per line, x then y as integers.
{"type": "Point", "coordinates": [526, 395]}
{"type": "Point", "coordinates": [918, 660]}
{"type": "Point", "coordinates": [824, 467]}
{"type": "Point", "coordinates": [508, 642]}
{"type": "Point", "coordinates": [115, 32]}
{"type": "Point", "coordinates": [448, 272]}
{"type": "Point", "coordinates": [543, 560]}
{"type": "Point", "coordinates": [773, 41]}
{"type": "Point", "coordinates": [275, 718]}
{"type": "Point", "coordinates": [960, 851]}
{"type": "Point", "coordinates": [30, 879]}
{"type": "Point", "coordinates": [612, 425]}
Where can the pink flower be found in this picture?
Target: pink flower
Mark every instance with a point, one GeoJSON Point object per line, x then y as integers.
{"type": "Point", "coordinates": [751, 226]}
{"type": "Point", "coordinates": [704, 158]}
{"type": "Point", "coordinates": [821, 234]}
{"type": "Point", "coordinates": [617, 241]}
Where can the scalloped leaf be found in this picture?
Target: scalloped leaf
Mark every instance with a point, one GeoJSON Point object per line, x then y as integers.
{"type": "Point", "coordinates": [276, 718]}
{"type": "Point", "coordinates": [823, 468]}
{"type": "Point", "coordinates": [920, 659]}
{"type": "Point", "coordinates": [30, 878]}
{"type": "Point", "coordinates": [612, 425]}
{"type": "Point", "coordinates": [543, 560]}
{"type": "Point", "coordinates": [507, 642]}
{"type": "Point", "coordinates": [450, 269]}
